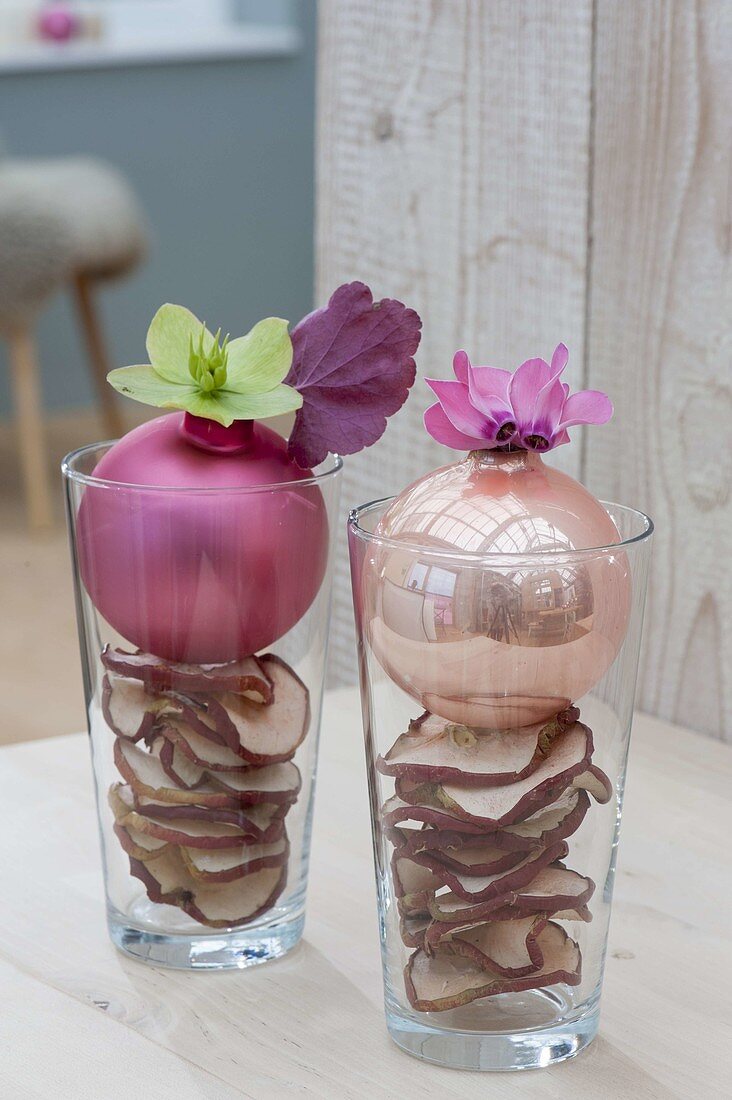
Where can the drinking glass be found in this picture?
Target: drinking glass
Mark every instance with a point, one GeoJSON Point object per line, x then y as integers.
{"type": "Point", "coordinates": [497, 693]}
{"type": "Point", "coordinates": [204, 773]}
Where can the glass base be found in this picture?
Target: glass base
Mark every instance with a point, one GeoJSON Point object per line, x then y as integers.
{"type": "Point", "coordinates": [224, 951]}
{"type": "Point", "coordinates": [499, 1051]}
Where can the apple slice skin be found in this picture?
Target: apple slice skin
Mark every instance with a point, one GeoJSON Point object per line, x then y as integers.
{"type": "Point", "coordinates": [181, 771]}
{"type": "Point", "coordinates": [456, 981]}
{"type": "Point", "coordinates": [187, 896]}
{"type": "Point", "coordinates": [251, 822]}
{"type": "Point", "coordinates": [452, 832]}
{"type": "Point", "coordinates": [218, 834]}
{"type": "Point", "coordinates": [532, 747]}
{"type": "Point", "coordinates": [243, 726]}
{"type": "Point", "coordinates": [153, 709]}
{"type": "Point", "coordinates": [491, 945]}
{"type": "Point", "coordinates": [574, 745]}
{"type": "Point", "coordinates": [446, 846]}
{"type": "Point", "coordinates": [243, 677]}
{"type": "Point", "coordinates": [210, 792]}
{"type": "Point", "coordinates": [521, 901]}
{"type": "Point", "coordinates": [210, 753]}
{"type": "Point", "coordinates": [503, 883]}
{"type": "Point", "coordinates": [271, 855]}
{"type": "Point", "coordinates": [133, 732]}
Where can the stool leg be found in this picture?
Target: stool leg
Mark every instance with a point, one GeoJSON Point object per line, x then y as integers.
{"type": "Point", "coordinates": [29, 419]}
{"type": "Point", "coordinates": [98, 357]}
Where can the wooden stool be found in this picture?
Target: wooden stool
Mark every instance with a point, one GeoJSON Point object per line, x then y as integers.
{"type": "Point", "coordinates": [69, 222]}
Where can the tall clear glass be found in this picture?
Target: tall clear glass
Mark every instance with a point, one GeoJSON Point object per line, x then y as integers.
{"type": "Point", "coordinates": [497, 695]}
{"type": "Point", "coordinates": [204, 773]}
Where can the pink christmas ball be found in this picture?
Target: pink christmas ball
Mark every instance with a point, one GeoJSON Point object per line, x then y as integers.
{"type": "Point", "coordinates": [196, 556]}
{"type": "Point", "coordinates": [488, 616]}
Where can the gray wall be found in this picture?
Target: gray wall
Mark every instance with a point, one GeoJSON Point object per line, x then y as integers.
{"type": "Point", "coordinates": [221, 157]}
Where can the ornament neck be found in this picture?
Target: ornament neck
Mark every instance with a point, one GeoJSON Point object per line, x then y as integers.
{"type": "Point", "coordinates": [214, 438]}
{"type": "Point", "coordinates": [509, 460]}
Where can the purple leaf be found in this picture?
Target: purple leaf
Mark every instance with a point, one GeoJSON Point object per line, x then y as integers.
{"type": "Point", "coordinates": [353, 365]}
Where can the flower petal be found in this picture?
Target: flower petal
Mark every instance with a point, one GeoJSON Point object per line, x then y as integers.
{"type": "Point", "coordinates": [461, 366]}
{"type": "Point", "coordinates": [489, 389]}
{"type": "Point", "coordinates": [168, 341]}
{"type": "Point", "coordinates": [559, 359]}
{"type": "Point", "coordinates": [526, 384]}
{"type": "Point", "coordinates": [586, 407]}
{"type": "Point", "coordinates": [455, 400]}
{"type": "Point", "coordinates": [441, 429]}
{"type": "Point", "coordinates": [261, 359]}
{"type": "Point", "coordinates": [145, 384]}
{"type": "Point", "coordinates": [227, 407]}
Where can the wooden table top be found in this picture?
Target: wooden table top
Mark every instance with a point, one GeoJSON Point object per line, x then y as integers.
{"type": "Point", "coordinates": [81, 1021]}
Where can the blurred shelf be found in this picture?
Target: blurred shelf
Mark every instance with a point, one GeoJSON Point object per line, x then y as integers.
{"type": "Point", "coordinates": [222, 44]}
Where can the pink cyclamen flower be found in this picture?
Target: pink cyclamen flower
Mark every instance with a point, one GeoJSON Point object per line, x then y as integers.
{"type": "Point", "coordinates": [532, 408]}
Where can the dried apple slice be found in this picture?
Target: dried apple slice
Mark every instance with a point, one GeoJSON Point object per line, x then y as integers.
{"type": "Point", "coordinates": [132, 712]}
{"type": "Point", "coordinates": [244, 677]}
{"type": "Point", "coordinates": [446, 844]}
{"type": "Point", "coordinates": [558, 819]}
{"type": "Point", "coordinates": [265, 735]}
{"type": "Point", "coordinates": [434, 750]}
{"type": "Point", "coordinates": [150, 781]}
{"type": "Point", "coordinates": [203, 833]}
{"type": "Point", "coordinates": [270, 783]}
{"type": "Point", "coordinates": [412, 930]}
{"type": "Point", "coordinates": [596, 783]}
{"type": "Point", "coordinates": [445, 981]}
{"type": "Point", "coordinates": [226, 905]}
{"type": "Point", "coordinates": [553, 888]}
{"type": "Point", "coordinates": [136, 844]}
{"type": "Point", "coordinates": [395, 811]}
{"type": "Point", "coordinates": [201, 749]}
{"type": "Point", "coordinates": [261, 823]}
{"type": "Point", "coordinates": [228, 864]}
{"type": "Point", "coordinates": [492, 807]}
{"type": "Point", "coordinates": [127, 708]}
{"type": "Point", "coordinates": [510, 947]}
{"type": "Point", "coordinates": [145, 774]}
{"type": "Point", "coordinates": [197, 826]}
{"type": "Point", "coordinates": [470, 855]}
{"type": "Point", "coordinates": [176, 765]}
{"type": "Point", "coordinates": [472, 888]}
{"type": "Point", "coordinates": [436, 933]}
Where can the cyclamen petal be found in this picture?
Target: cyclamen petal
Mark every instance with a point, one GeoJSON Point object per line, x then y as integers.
{"type": "Point", "coordinates": [455, 400]}
{"type": "Point", "coordinates": [461, 366]}
{"type": "Point", "coordinates": [586, 407]}
{"type": "Point", "coordinates": [489, 388]}
{"type": "Point", "coordinates": [441, 429]}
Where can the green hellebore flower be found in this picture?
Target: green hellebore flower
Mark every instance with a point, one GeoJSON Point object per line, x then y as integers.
{"type": "Point", "coordinates": [189, 369]}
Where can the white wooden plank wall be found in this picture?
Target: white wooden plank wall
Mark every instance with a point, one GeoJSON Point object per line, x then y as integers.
{"type": "Point", "coordinates": [523, 171]}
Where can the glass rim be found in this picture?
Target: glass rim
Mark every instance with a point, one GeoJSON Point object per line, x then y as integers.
{"type": "Point", "coordinates": [492, 556]}
{"type": "Point", "coordinates": [71, 473]}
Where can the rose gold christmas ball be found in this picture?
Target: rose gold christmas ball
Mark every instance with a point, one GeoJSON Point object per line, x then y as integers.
{"type": "Point", "coordinates": [505, 640]}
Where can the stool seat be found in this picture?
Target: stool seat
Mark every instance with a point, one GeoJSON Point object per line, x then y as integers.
{"type": "Point", "coordinates": [59, 219]}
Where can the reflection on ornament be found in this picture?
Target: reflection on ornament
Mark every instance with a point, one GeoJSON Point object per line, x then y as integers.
{"type": "Point", "coordinates": [504, 641]}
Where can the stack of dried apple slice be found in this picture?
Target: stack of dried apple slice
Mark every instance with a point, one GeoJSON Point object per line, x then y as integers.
{"type": "Point", "coordinates": [479, 822]}
{"type": "Point", "coordinates": [205, 758]}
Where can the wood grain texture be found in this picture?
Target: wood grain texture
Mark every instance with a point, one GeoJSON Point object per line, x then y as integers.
{"type": "Point", "coordinates": [523, 171]}
{"type": "Point", "coordinates": [452, 173]}
{"type": "Point", "coordinates": [660, 332]}
{"type": "Point", "coordinates": [80, 1020]}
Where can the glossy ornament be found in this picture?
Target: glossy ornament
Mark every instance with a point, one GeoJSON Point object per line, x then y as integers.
{"type": "Point", "coordinates": [496, 642]}
{"type": "Point", "coordinates": [201, 570]}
